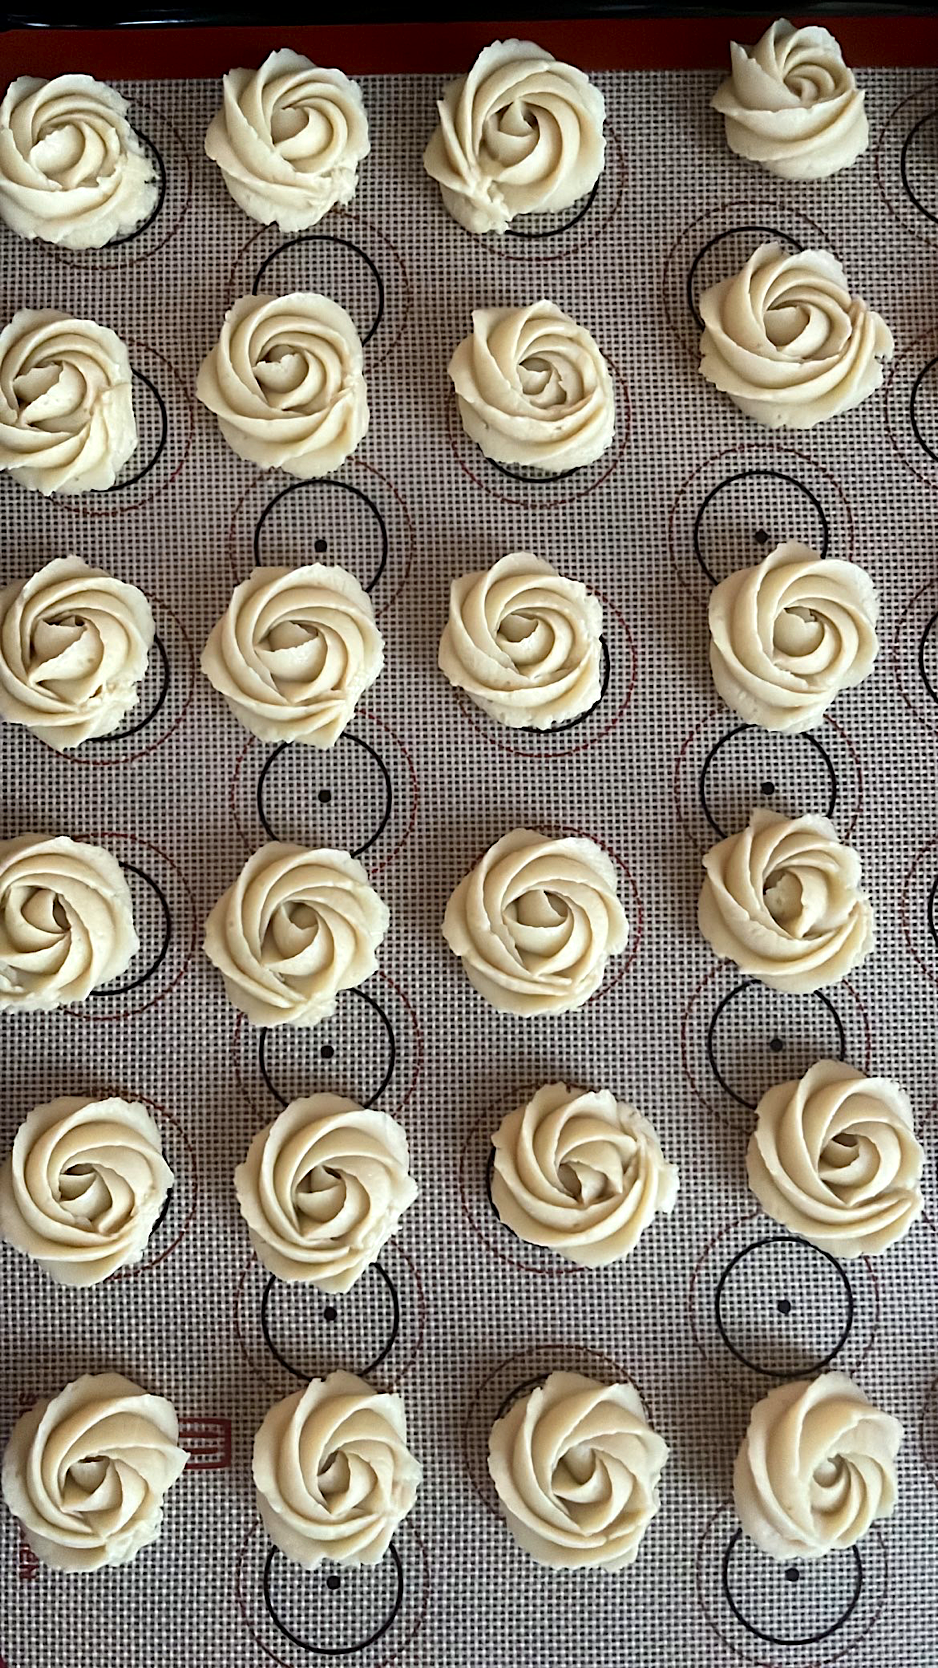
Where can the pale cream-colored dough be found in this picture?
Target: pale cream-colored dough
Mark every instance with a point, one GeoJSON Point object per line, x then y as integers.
{"type": "Point", "coordinates": [783, 900]}
{"type": "Point", "coordinates": [520, 134]}
{"type": "Point", "coordinates": [294, 929]}
{"type": "Point", "coordinates": [581, 1173]}
{"type": "Point", "coordinates": [86, 1472]}
{"type": "Point", "coordinates": [323, 1188]}
{"type": "Point", "coordinates": [576, 1467]}
{"type": "Point", "coordinates": [524, 642]}
{"type": "Point", "coordinates": [787, 341]}
{"type": "Point", "coordinates": [791, 104]}
{"type": "Point", "coordinates": [288, 139]}
{"type": "Point", "coordinates": [532, 387]}
{"type": "Point", "coordinates": [816, 1467]}
{"type": "Point", "coordinates": [285, 382]}
{"type": "Point", "coordinates": [294, 652]}
{"type": "Point", "coordinates": [535, 922]}
{"type": "Point", "coordinates": [787, 635]}
{"type": "Point", "coordinates": [66, 408]}
{"type": "Point", "coordinates": [83, 1186]}
{"type": "Point", "coordinates": [333, 1472]}
{"type": "Point", "coordinates": [835, 1158]}
{"type": "Point", "coordinates": [66, 921]}
{"type": "Point", "coordinates": [72, 169]}
{"type": "Point", "coordinates": [74, 644]}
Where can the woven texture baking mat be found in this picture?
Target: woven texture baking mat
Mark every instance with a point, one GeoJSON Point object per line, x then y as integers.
{"type": "Point", "coordinates": [716, 1304]}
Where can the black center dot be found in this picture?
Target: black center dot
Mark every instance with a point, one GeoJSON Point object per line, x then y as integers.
{"type": "Point", "coordinates": [776, 1045]}
{"type": "Point", "coordinates": [791, 1574]}
{"type": "Point", "coordinates": [783, 1306]}
{"type": "Point", "coordinates": [320, 547]}
{"type": "Point", "coordinates": [330, 1312]}
{"type": "Point", "coordinates": [325, 796]}
{"type": "Point", "coordinates": [761, 536]}
{"type": "Point", "coordinates": [333, 1582]}
{"type": "Point", "coordinates": [768, 788]}
{"type": "Point", "coordinates": [326, 1052]}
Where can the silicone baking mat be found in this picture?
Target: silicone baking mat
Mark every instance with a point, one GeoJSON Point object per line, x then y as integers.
{"type": "Point", "coordinates": [716, 1304]}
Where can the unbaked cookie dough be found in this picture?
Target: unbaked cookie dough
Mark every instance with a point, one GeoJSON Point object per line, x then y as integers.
{"type": "Point", "coordinates": [323, 1188]}
{"type": "Point", "coordinates": [294, 652]}
{"type": "Point", "coordinates": [576, 1467]}
{"type": "Point", "coordinates": [535, 922]}
{"type": "Point", "coordinates": [74, 645]}
{"type": "Point", "coordinates": [66, 407]}
{"type": "Point", "coordinates": [787, 635]}
{"type": "Point", "coordinates": [791, 104]}
{"type": "Point", "coordinates": [86, 1472]}
{"type": "Point", "coordinates": [72, 169]}
{"type": "Point", "coordinates": [83, 1187]}
{"type": "Point", "coordinates": [835, 1158]}
{"type": "Point", "coordinates": [816, 1467]}
{"type": "Point", "coordinates": [532, 387]}
{"type": "Point", "coordinates": [288, 139]}
{"type": "Point", "coordinates": [285, 382]}
{"type": "Point", "coordinates": [295, 929]}
{"type": "Point", "coordinates": [581, 1173]}
{"type": "Point", "coordinates": [66, 921]}
{"type": "Point", "coordinates": [333, 1472]}
{"type": "Point", "coordinates": [524, 642]}
{"type": "Point", "coordinates": [782, 899]}
{"type": "Point", "coordinates": [520, 134]}
{"type": "Point", "coordinates": [787, 341]}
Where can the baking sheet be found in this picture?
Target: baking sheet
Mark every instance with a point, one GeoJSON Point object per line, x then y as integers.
{"type": "Point", "coordinates": [715, 1303]}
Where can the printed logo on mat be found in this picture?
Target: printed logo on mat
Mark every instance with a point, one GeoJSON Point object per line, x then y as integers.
{"type": "Point", "coordinates": [766, 1305]}
{"type": "Point", "coordinates": [739, 1038]}
{"type": "Point", "coordinates": [809, 1611]}
{"type": "Point", "coordinates": [370, 1613]}
{"type": "Point", "coordinates": [206, 1439]}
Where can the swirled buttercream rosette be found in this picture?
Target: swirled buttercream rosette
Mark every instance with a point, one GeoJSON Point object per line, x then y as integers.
{"type": "Point", "coordinates": [66, 921]}
{"type": "Point", "coordinates": [288, 139]}
{"type": "Point", "coordinates": [791, 104]}
{"type": "Point", "coordinates": [66, 408]}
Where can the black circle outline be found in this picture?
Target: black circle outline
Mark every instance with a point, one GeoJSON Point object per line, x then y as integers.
{"type": "Point", "coordinates": [526, 1387]}
{"type": "Point", "coordinates": [747, 984]}
{"type": "Point", "coordinates": [745, 475]}
{"type": "Point", "coordinates": [931, 915]}
{"type": "Point", "coordinates": [141, 724]}
{"type": "Point", "coordinates": [929, 116]}
{"type": "Point", "coordinates": [362, 1372]}
{"type": "Point", "coordinates": [731, 231]}
{"type": "Point", "coordinates": [545, 478]}
{"type": "Point", "coordinates": [921, 658]}
{"type": "Point", "coordinates": [347, 735]}
{"type": "Point", "coordinates": [772, 1638]}
{"type": "Point", "coordinates": [568, 225]}
{"type": "Point", "coordinates": [120, 486]}
{"type": "Point", "coordinates": [804, 735]}
{"type": "Point", "coordinates": [369, 1100]}
{"type": "Point", "coordinates": [581, 717]}
{"type": "Point", "coordinates": [108, 992]}
{"type": "Point", "coordinates": [334, 1650]}
{"type": "Point", "coordinates": [346, 486]}
{"type": "Point", "coordinates": [779, 1372]}
{"type": "Point", "coordinates": [343, 242]}
{"type": "Point", "coordinates": [912, 417]}
{"type": "Point", "coordinates": [157, 209]}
